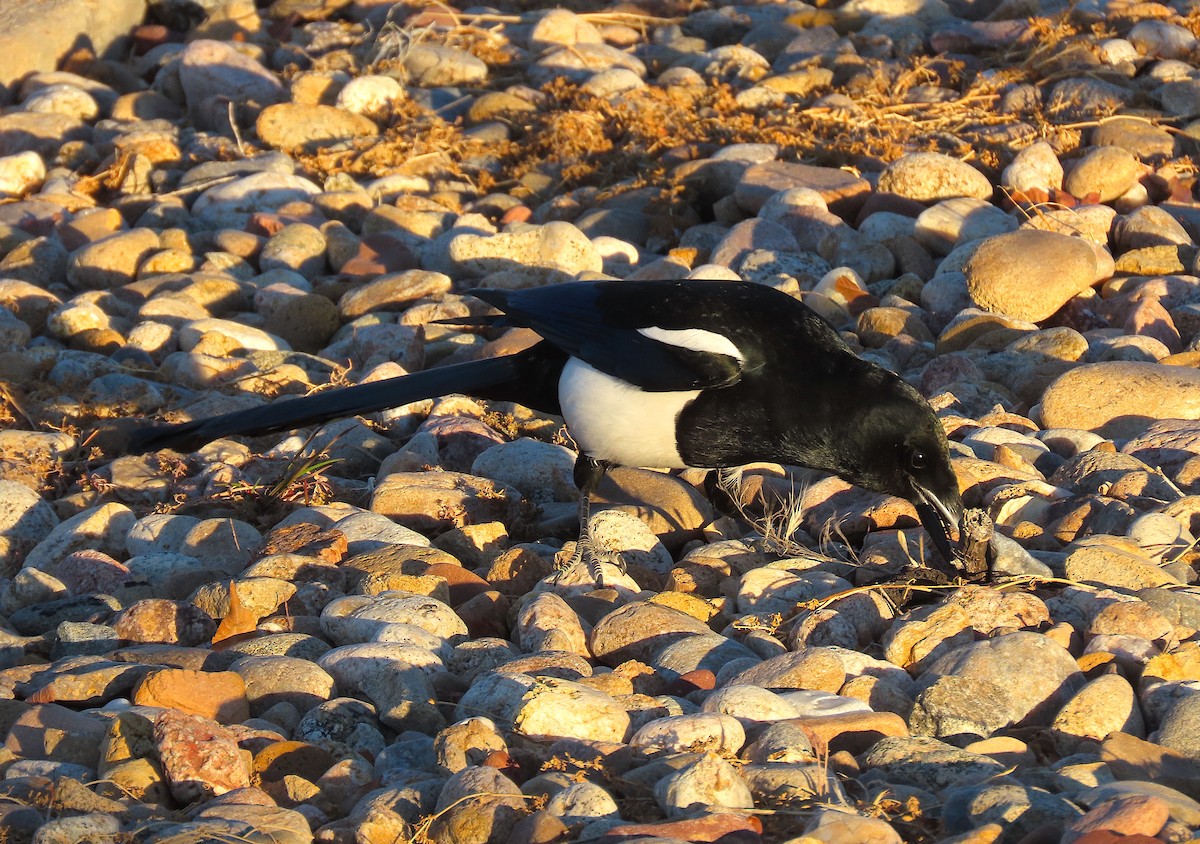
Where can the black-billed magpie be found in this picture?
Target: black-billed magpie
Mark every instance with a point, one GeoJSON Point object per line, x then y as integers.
{"type": "Point", "coordinates": [704, 374]}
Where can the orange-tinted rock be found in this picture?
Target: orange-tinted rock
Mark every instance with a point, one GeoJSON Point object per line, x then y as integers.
{"type": "Point", "coordinates": [219, 695]}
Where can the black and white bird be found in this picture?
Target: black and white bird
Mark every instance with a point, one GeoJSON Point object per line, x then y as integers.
{"type": "Point", "coordinates": [703, 374]}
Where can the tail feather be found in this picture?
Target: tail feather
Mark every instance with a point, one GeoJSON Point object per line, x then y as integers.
{"type": "Point", "coordinates": [478, 377]}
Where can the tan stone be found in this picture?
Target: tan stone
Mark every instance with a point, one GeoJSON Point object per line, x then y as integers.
{"type": "Point", "coordinates": [36, 35]}
{"type": "Point", "coordinates": [293, 126]}
{"type": "Point", "coordinates": [1121, 399]}
{"type": "Point", "coordinates": [1029, 274]}
{"type": "Point", "coordinates": [220, 695]}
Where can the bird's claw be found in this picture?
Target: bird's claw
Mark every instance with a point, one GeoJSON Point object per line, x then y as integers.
{"type": "Point", "coordinates": [587, 553]}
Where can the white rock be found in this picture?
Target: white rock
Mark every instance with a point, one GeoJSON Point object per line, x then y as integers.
{"type": "Point", "coordinates": [21, 173]}
{"type": "Point", "coordinates": [950, 222]}
{"type": "Point", "coordinates": [25, 520]}
{"type": "Point", "coordinates": [156, 339]}
{"type": "Point", "coordinates": [430, 614]}
{"type": "Point", "coordinates": [1163, 537]}
{"type": "Point", "coordinates": [541, 471]}
{"type": "Point", "coordinates": [616, 253]}
{"type": "Point", "coordinates": [391, 187]}
{"type": "Point", "coordinates": [71, 319]}
{"type": "Point", "coordinates": [372, 94]}
{"type": "Point", "coordinates": [580, 61]}
{"type": "Point", "coordinates": [708, 783]}
{"type": "Point", "coordinates": [387, 674]}
{"type": "Point", "coordinates": [546, 622]}
{"type": "Point", "coordinates": [100, 528]}
{"type": "Point", "coordinates": [247, 336]}
{"type": "Point", "coordinates": [63, 99]}
{"type": "Point", "coordinates": [231, 204]}
{"type": "Point", "coordinates": [400, 632]}
{"type": "Point", "coordinates": [225, 544]}
{"type": "Point", "coordinates": [158, 567]}
{"type": "Point", "coordinates": [159, 533]}
{"type": "Point", "coordinates": [751, 705]}
{"type": "Point", "coordinates": [714, 272]}
{"type": "Point", "coordinates": [701, 731]}
{"type": "Point", "coordinates": [202, 371]}
{"type": "Point", "coordinates": [946, 294]}
{"type": "Point", "coordinates": [559, 27]}
{"type": "Point", "coordinates": [610, 83]}
{"type": "Point", "coordinates": [625, 534]}
{"type": "Point", "coordinates": [882, 225]}
{"type": "Point", "coordinates": [555, 245]}
{"type": "Point", "coordinates": [1116, 51]}
{"type": "Point", "coordinates": [545, 707]}
{"type": "Point", "coordinates": [1034, 168]}
{"type": "Point", "coordinates": [931, 176]}
{"type": "Point", "coordinates": [766, 590]}
{"type": "Point", "coordinates": [581, 802]}
{"type": "Point", "coordinates": [781, 203]}
{"type": "Point", "coordinates": [438, 65]}
{"type": "Point", "coordinates": [814, 704]}
{"type": "Point", "coordinates": [1162, 40]}
{"type": "Point", "coordinates": [363, 529]}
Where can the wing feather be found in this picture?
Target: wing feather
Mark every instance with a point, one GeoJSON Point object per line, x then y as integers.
{"type": "Point", "coordinates": [575, 317]}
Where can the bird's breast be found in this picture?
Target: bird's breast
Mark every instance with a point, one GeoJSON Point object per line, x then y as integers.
{"type": "Point", "coordinates": [613, 420]}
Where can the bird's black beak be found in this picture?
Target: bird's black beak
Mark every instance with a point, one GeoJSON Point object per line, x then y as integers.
{"type": "Point", "coordinates": [941, 518]}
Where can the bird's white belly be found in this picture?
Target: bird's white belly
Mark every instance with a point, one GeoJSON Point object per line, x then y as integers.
{"type": "Point", "coordinates": [613, 420]}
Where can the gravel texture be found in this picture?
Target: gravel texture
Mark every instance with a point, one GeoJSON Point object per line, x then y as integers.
{"type": "Point", "coordinates": [350, 635]}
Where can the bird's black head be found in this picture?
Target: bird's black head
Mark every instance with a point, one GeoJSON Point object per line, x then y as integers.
{"type": "Point", "coordinates": [896, 445]}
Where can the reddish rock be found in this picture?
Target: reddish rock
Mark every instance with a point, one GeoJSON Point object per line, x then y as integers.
{"type": "Point", "coordinates": [724, 827]}
{"type": "Point", "coordinates": [379, 254]}
{"type": "Point", "coordinates": [200, 757]}
{"type": "Point", "coordinates": [486, 614]}
{"type": "Point", "coordinates": [855, 732]}
{"type": "Point", "coordinates": [267, 223]}
{"type": "Point", "coordinates": [1150, 318]}
{"type": "Point", "coordinates": [460, 440]}
{"type": "Point", "coordinates": [691, 681]}
{"type": "Point", "coordinates": [1134, 814]}
{"type": "Point", "coordinates": [168, 622]}
{"type": "Point", "coordinates": [89, 570]}
{"type": "Point", "coordinates": [1105, 836]}
{"type": "Point", "coordinates": [516, 214]}
{"type": "Point", "coordinates": [327, 545]}
{"type": "Point", "coordinates": [464, 584]}
{"type": "Point", "coordinates": [148, 36]}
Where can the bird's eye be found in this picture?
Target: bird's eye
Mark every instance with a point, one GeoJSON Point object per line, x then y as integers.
{"type": "Point", "coordinates": [917, 459]}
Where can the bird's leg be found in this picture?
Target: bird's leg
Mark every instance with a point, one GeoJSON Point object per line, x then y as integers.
{"type": "Point", "coordinates": [588, 474]}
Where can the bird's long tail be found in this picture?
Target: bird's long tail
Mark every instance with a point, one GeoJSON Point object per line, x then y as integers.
{"type": "Point", "coordinates": [523, 377]}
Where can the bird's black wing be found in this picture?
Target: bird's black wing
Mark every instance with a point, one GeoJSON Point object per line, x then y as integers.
{"type": "Point", "coordinates": [602, 324]}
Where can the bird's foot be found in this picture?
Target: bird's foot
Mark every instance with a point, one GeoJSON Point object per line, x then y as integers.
{"type": "Point", "coordinates": [596, 558]}
{"type": "Point", "coordinates": [587, 555]}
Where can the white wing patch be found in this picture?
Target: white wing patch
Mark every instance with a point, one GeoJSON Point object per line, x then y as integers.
{"type": "Point", "coordinates": [613, 420]}
{"type": "Point", "coordinates": [696, 339]}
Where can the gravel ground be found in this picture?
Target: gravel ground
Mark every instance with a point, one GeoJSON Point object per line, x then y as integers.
{"type": "Point", "coordinates": [349, 634]}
